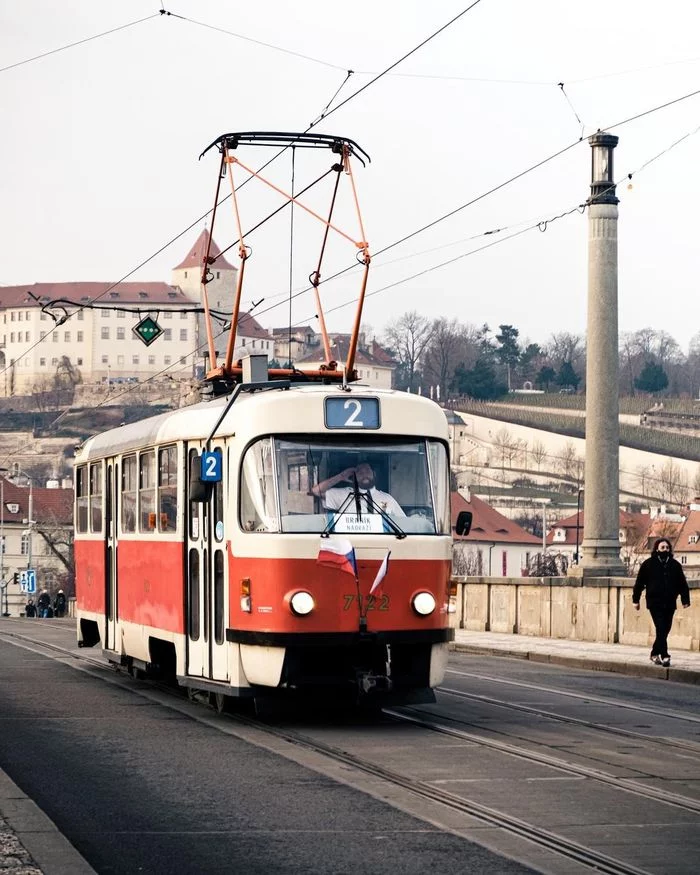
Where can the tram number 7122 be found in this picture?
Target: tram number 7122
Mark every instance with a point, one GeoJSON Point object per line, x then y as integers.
{"type": "Point", "coordinates": [372, 602]}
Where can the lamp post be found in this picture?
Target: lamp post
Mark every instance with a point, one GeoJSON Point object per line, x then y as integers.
{"type": "Point", "coordinates": [601, 541]}
{"type": "Point", "coordinates": [578, 523]}
{"type": "Point", "coordinates": [3, 471]}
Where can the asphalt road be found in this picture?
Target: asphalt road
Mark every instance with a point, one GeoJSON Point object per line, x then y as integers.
{"type": "Point", "coordinates": [138, 787]}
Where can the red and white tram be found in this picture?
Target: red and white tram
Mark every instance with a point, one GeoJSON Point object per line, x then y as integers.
{"type": "Point", "coordinates": [198, 532]}
{"type": "Point", "coordinates": [218, 583]}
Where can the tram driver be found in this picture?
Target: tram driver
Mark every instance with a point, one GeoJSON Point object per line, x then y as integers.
{"type": "Point", "coordinates": [335, 497]}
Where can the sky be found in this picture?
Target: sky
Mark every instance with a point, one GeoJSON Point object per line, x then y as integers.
{"type": "Point", "coordinates": [100, 145]}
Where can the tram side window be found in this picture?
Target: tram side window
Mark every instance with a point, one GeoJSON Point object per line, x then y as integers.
{"type": "Point", "coordinates": [147, 491]}
{"type": "Point", "coordinates": [96, 497]}
{"type": "Point", "coordinates": [81, 499]}
{"type": "Point", "coordinates": [258, 504]}
{"type": "Point", "coordinates": [219, 506]}
{"type": "Point", "coordinates": [129, 494]}
{"type": "Point", "coordinates": [167, 489]}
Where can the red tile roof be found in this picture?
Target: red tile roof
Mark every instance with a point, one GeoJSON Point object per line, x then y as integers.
{"type": "Point", "coordinates": [195, 257]}
{"type": "Point", "coordinates": [635, 524]}
{"type": "Point", "coordinates": [688, 540]}
{"type": "Point", "coordinates": [145, 294]}
{"type": "Point", "coordinates": [339, 351]}
{"type": "Point", "coordinates": [248, 326]}
{"type": "Point", "coordinates": [50, 506]}
{"type": "Point", "coordinates": [488, 524]}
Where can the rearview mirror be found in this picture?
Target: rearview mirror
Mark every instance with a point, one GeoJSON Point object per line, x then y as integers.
{"type": "Point", "coordinates": [464, 522]}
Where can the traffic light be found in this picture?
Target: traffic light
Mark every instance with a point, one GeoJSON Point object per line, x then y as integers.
{"type": "Point", "coordinates": [15, 577]}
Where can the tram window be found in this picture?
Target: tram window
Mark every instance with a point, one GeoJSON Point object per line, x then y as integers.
{"type": "Point", "coordinates": [81, 499]}
{"type": "Point", "coordinates": [219, 506]}
{"type": "Point", "coordinates": [440, 478]}
{"type": "Point", "coordinates": [219, 597]}
{"type": "Point", "coordinates": [258, 511]}
{"type": "Point", "coordinates": [193, 597]}
{"type": "Point", "coordinates": [147, 492]}
{"type": "Point", "coordinates": [129, 494]}
{"type": "Point", "coordinates": [167, 489]}
{"type": "Point", "coordinates": [96, 497]}
{"type": "Point", "coordinates": [193, 468]}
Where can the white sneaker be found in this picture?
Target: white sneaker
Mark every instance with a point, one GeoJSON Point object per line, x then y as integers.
{"type": "Point", "coordinates": [655, 659]}
{"type": "Point", "coordinates": [666, 660]}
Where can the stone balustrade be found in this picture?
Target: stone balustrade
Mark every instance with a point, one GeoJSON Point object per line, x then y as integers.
{"type": "Point", "coordinates": [598, 609]}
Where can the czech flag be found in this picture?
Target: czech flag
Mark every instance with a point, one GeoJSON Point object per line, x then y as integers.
{"type": "Point", "coordinates": [338, 553]}
{"type": "Point", "coordinates": [381, 574]}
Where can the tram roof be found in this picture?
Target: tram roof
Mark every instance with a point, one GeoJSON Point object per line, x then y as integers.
{"type": "Point", "coordinates": [267, 412]}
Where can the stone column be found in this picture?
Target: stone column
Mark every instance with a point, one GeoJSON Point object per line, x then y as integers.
{"type": "Point", "coordinates": [601, 530]}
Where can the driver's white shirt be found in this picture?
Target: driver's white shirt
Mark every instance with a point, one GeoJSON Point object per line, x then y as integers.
{"type": "Point", "coordinates": [334, 499]}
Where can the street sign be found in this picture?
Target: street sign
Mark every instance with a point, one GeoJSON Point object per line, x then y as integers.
{"type": "Point", "coordinates": [27, 581]}
{"type": "Point", "coordinates": [147, 330]}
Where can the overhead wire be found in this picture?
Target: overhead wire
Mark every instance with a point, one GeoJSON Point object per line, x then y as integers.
{"type": "Point", "coordinates": [79, 42]}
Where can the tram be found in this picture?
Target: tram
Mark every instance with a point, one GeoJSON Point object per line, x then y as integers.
{"type": "Point", "coordinates": [200, 534]}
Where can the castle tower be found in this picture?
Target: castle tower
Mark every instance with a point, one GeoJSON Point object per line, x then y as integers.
{"type": "Point", "coordinates": [221, 288]}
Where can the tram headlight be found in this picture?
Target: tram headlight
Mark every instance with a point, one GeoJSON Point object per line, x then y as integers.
{"type": "Point", "coordinates": [302, 603]}
{"type": "Point", "coordinates": [424, 603]}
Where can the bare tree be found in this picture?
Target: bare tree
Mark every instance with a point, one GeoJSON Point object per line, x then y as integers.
{"type": "Point", "coordinates": [538, 453]}
{"type": "Point", "coordinates": [673, 483]}
{"type": "Point", "coordinates": [444, 353]}
{"type": "Point", "coordinates": [408, 337]}
{"type": "Point", "coordinates": [59, 540]}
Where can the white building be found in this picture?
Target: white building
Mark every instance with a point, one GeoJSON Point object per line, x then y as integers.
{"type": "Point", "coordinates": [86, 330]}
{"type": "Point", "coordinates": [371, 368]}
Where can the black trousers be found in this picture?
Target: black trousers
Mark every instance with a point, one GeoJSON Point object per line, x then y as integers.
{"type": "Point", "coordinates": [662, 615]}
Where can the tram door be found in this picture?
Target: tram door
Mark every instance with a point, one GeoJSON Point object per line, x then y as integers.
{"type": "Point", "coordinates": [206, 602]}
{"type": "Point", "coordinates": [111, 517]}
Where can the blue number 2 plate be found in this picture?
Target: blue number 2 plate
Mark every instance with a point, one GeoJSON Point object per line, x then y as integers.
{"type": "Point", "coordinates": [358, 413]}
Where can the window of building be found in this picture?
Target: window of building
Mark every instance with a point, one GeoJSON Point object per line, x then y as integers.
{"type": "Point", "coordinates": [104, 332]}
{"type": "Point", "coordinates": [42, 363]}
{"type": "Point", "coordinates": [80, 316]}
{"type": "Point", "coordinates": [66, 336]}
{"type": "Point", "coordinates": [684, 560]}
{"type": "Point", "coordinates": [24, 544]}
{"type": "Point", "coordinates": [12, 336]}
{"type": "Point", "coordinates": [121, 314]}
{"type": "Point", "coordinates": [54, 336]}
{"type": "Point", "coordinates": [183, 360]}
{"type": "Point", "coordinates": [20, 316]}
{"type": "Point", "coordinates": [2, 544]}
{"type": "Point", "coordinates": [166, 359]}
{"type": "Point", "coordinates": [134, 359]}
{"type": "Point", "coordinates": [185, 274]}
{"type": "Point", "coordinates": [183, 315]}
{"type": "Point", "coordinates": [120, 334]}
{"type": "Point", "coordinates": [218, 274]}
{"type": "Point", "coordinates": [120, 359]}
{"type": "Point", "coordinates": [54, 360]}
{"type": "Point", "coordinates": [12, 316]}
{"type": "Point", "coordinates": [168, 334]}
{"type": "Point", "coordinates": [183, 334]}
{"type": "Point", "coordinates": [151, 359]}
{"type": "Point", "coordinates": [105, 314]}
{"type": "Point", "coordinates": [80, 361]}
{"type": "Point", "coordinates": [80, 337]}
{"type": "Point", "coordinates": [105, 359]}
{"type": "Point", "coordinates": [167, 314]}
{"type": "Point", "coordinates": [43, 317]}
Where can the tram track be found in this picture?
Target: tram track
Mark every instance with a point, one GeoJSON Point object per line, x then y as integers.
{"type": "Point", "coordinates": [486, 815]}
{"type": "Point", "coordinates": [585, 697]}
{"type": "Point", "coordinates": [627, 785]}
{"type": "Point", "coordinates": [573, 721]}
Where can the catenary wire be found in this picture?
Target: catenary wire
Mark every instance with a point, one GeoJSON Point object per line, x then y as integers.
{"type": "Point", "coordinates": [79, 42]}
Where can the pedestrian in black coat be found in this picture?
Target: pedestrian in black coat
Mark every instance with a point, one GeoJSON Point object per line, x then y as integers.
{"type": "Point", "coordinates": [662, 577]}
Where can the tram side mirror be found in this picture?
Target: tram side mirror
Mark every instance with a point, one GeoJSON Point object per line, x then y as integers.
{"type": "Point", "coordinates": [200, 490]}
{"type": "Point", "coordinates": [464, 522]}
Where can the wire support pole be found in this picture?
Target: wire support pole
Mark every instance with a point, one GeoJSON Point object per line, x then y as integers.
{"type": "Point", "coordinates": [294, 200]}
{"type": "Point", "coordinates": [347, 167]}
{"type": "Point", "coordinates": [315, 277]}
{"type": "Point", "coordinates": [205, 271]}
{"type": "Point", "coordinates": [352, 349]}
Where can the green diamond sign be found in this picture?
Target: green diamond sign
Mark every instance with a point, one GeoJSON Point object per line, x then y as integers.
{"type": "Point", "coordinates": [147, 330]}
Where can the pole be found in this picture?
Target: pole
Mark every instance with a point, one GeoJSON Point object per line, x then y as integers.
{"type": "Point", "coordinates": [544, 529]}
{"type": "Point", "coordinates": [30, 521]}
{"type": "Point", "coordinates": [578, 522]}
{"type": "Point", "coordinates": [2, 545]}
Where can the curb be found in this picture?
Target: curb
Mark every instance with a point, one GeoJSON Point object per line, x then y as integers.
{"type": "Point", "coordinates": [50, 851]}
{"type": "Point", "coordinates": [633, 669]}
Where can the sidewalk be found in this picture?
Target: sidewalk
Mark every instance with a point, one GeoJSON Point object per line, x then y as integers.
{"type": "Point", "coordinates": [591, 655]}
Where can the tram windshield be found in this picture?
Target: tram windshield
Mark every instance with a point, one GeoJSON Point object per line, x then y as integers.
{"type": "Point", "coordinates": [352, 487]}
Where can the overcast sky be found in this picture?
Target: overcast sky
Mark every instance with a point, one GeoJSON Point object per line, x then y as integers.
{"type": "Point", "coordinates": [99, 149]}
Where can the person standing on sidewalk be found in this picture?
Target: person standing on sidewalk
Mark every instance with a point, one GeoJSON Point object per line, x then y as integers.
{"type": "Point", "coordinates": [662, 577]}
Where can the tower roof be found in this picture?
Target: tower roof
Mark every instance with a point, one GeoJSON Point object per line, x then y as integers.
{"type": "Point", "coordinates": [195, 256]}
